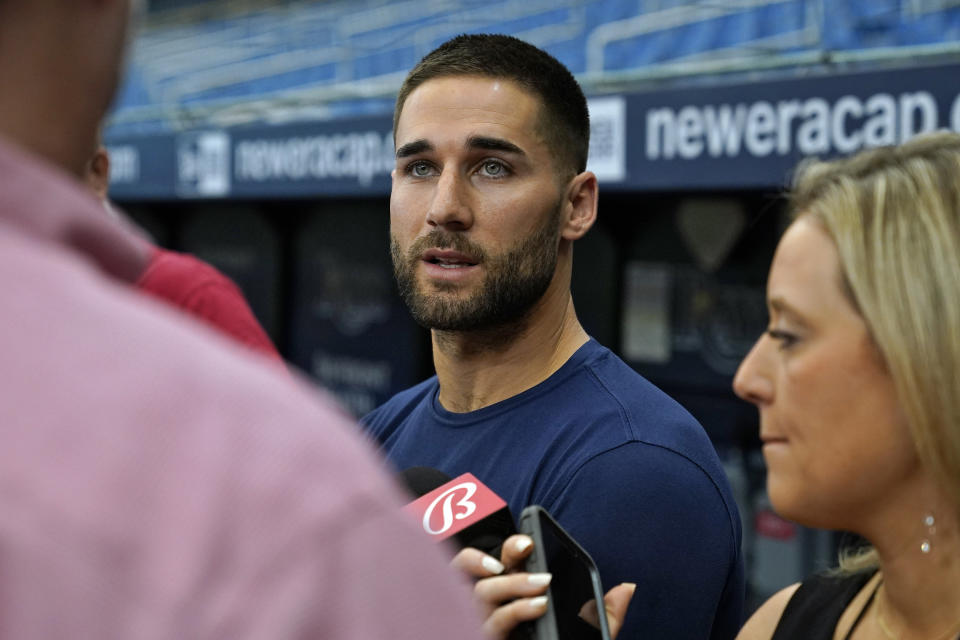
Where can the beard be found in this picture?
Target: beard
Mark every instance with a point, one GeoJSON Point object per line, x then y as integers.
{"type": "Point", "coordinates": [514, 281]}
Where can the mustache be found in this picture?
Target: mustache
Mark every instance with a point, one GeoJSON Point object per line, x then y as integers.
{"type": "Point", "coordinates": [441, 239]}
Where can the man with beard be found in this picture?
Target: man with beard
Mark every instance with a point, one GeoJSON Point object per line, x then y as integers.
{"type": "Point", "coordinates": [490, 192]}
{"type": "Point", "coordinates": [156, 482]}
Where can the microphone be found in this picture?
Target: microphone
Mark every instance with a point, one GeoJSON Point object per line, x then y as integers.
{"type": "Point", "coordinates": [462, 508]}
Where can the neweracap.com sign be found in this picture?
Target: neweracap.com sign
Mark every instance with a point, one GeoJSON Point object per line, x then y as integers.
{"type": "Point", "coordinates": [301, 160]}
{"type": "Point", "coordinates": [753, 135]}
{"type": "Point", "coordinates": [717, 137]}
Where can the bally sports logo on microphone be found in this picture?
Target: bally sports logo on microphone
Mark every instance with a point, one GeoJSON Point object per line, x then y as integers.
{"type": "Point", "coordinates": [454, 506]}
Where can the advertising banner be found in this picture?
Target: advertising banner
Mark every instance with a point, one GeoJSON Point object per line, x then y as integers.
{"type": "Point", "coordinates": [725, 136]}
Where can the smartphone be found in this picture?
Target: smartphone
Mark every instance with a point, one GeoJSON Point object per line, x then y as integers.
{"type": "Point", "coordinates": [576, 581]}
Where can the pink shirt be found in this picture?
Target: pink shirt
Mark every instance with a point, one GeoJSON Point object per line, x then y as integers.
{"type": "Point", "coordinates": [158, 481]}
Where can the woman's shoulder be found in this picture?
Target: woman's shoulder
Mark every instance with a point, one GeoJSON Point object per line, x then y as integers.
{"type": "Point", "coordinates": [813, 609]}
{"type": "Point", "coordinates": [764, 621]}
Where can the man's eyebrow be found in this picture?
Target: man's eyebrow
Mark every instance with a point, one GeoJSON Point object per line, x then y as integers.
{"type": "Point", "coordinates": [413, 148]}
{"type": "Point", "coordinates": [494, 144]}
{"type": "Point", "coordinates": [475, 142]}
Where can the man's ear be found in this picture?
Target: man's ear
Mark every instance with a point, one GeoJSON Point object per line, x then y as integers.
{"type": "Point", "coordinates": [98, 172]}
{"type": "Point", "coordinates": [580, 203]}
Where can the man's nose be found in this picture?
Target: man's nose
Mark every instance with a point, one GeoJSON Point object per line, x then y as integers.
{"type": "Point", "coordinates": [449, 208]}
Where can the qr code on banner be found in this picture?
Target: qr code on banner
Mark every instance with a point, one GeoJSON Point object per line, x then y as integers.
{"type": "Point", "coordinates": [608, 138]}
{"type": "Point", "coordinates": [203, 164]}
{"type": "Point", "coordinates": [601, 140]}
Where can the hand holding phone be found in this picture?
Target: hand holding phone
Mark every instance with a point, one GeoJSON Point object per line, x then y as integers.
{"type": "Point", "coordinates": [575, 584]}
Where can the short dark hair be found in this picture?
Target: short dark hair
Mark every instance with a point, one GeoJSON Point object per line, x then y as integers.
{"type": "Point", "coordinates": [564, 122]}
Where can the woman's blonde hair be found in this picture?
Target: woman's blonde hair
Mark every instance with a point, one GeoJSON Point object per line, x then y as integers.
{"type": "Point", "coordinates": [894, 215]}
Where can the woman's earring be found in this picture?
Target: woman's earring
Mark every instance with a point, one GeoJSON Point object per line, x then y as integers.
{"type": "Point", "coordinates": [926, 546]}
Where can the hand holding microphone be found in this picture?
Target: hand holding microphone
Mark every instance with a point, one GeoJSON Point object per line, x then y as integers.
{"type": "Point", "coordinates": [479, 521]}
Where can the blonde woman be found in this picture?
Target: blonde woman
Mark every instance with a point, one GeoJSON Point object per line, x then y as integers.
{"type": "Point", "coordinates": [857, 380]}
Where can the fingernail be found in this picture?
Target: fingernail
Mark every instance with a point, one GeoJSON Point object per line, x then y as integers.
{"type": "Point", "coordinates": [523, 543]}
{"type": "Point", "coordinates": [632, 585]}
{"type": "Point", "coordinates": [538, 603]}
{"type": "Point", "coordinates": [491, 565]}
{"type": "Point", "coordinates": [539, 579]}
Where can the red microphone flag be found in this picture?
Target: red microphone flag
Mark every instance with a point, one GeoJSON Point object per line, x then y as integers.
{"type": "Point", "coordinates": [454, 506]}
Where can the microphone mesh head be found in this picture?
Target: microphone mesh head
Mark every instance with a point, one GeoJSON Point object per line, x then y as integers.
{"type": "Point", "coordinates": [422, 480]}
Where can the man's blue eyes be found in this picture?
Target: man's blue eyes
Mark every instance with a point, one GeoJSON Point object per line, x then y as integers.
{"type": "Point", "coordinates": [494, 168]}
{"type": "Point", "coordinates": [490, 168]}
{"type": "Point", "coordinates": [419, 169]}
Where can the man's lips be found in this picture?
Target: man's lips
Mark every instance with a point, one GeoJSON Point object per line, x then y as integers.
{"type": "Point", "coordinates": [447, 258]}
{"type": "Point", "coordinates": [772, 439]}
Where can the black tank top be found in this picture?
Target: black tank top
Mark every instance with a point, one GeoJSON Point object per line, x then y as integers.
{"type": "Point", "coordinates": [815, 608]}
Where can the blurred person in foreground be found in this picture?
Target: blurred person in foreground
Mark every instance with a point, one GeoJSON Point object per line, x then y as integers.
{"type": "Point", "coordinates": [857, 381]}
{"type": "Point", "coordinates": [490, 193]}
{"type": "Point", "coordinates": [186, 282]}
{"type": "Point", "coordinates": [156, 483]}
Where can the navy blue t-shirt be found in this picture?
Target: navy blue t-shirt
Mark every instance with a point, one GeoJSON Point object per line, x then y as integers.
{"type": "Point", "coordinates": [625, 470]}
